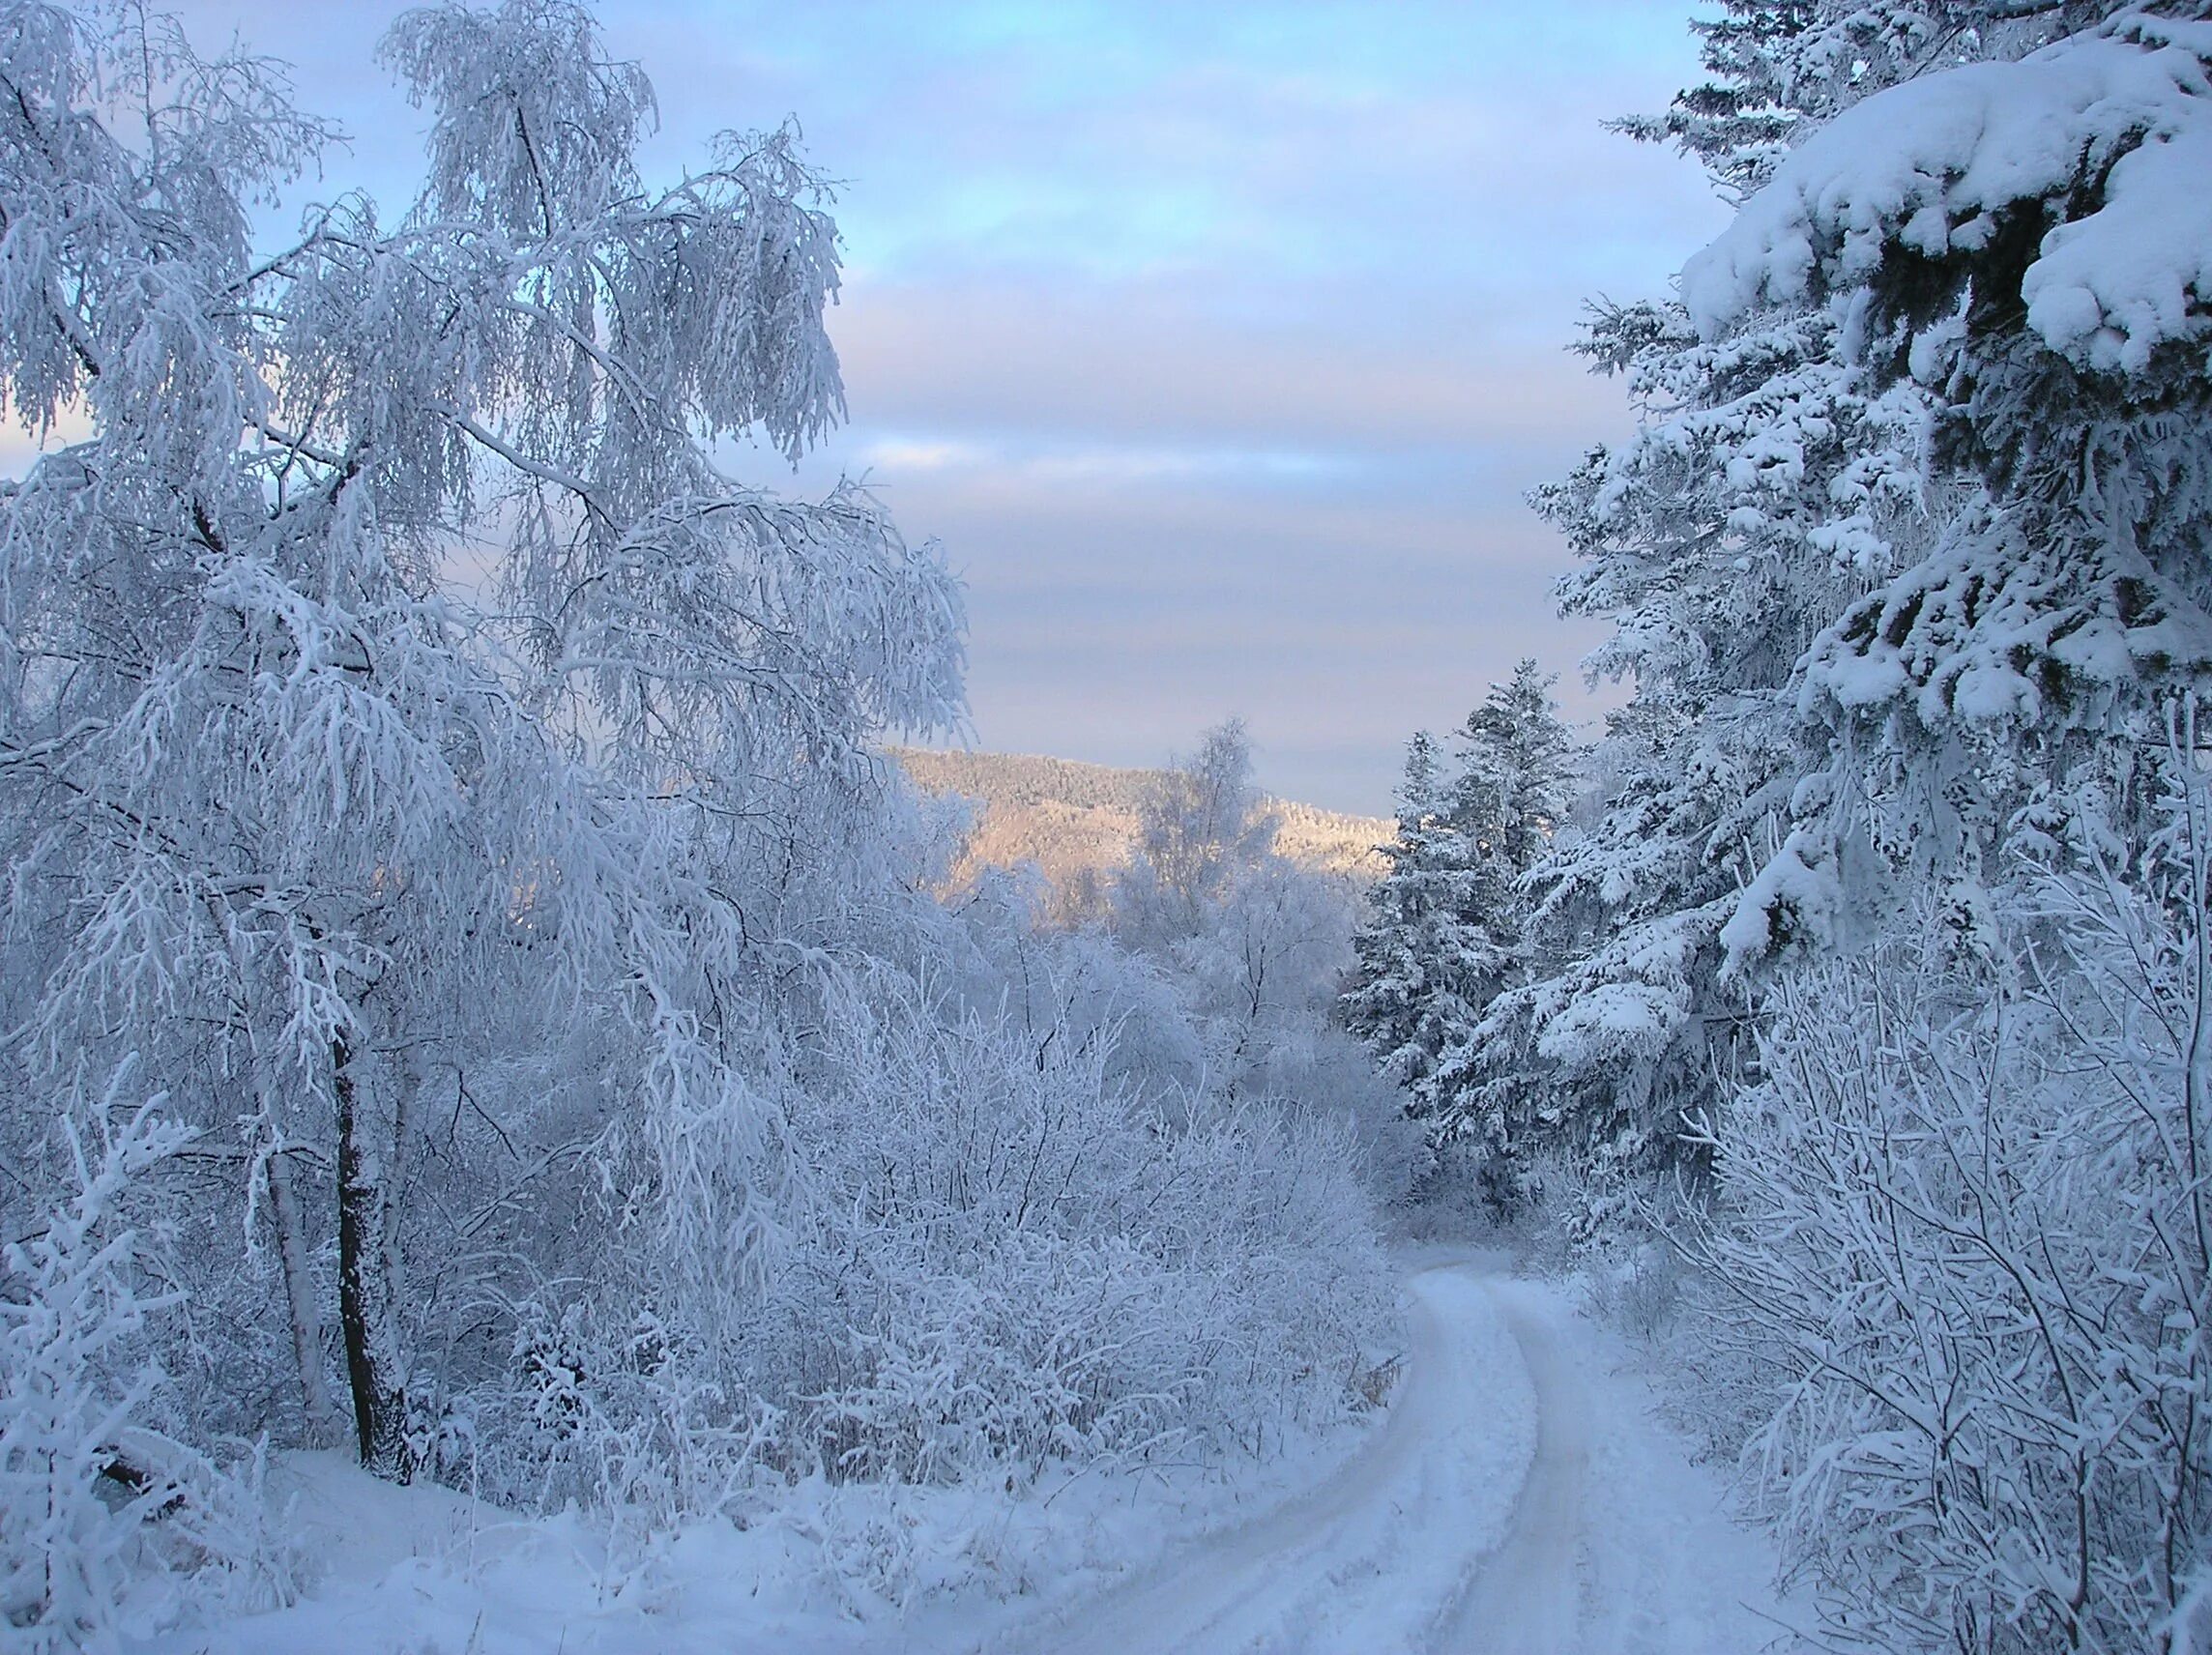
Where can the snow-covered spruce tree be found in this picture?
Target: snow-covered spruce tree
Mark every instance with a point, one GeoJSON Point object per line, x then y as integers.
{"type": "Point", "coordinates": [1439, 940]}
{"type": "Point", "coordinates": [1999, 1466]}
{"type": "Point", "coordinates": [1779, 69]}
{"type": "Point", "coordinates": [1966, 915]}
{"type": "Point", "coordinates": [2027, 239]}
{"type": "Point", "coordinates": [1760, 494]}
{"type": "Point", "coordinates": [409, 738]}
{"type": "Point", "coordinates": [1770, 487]}
{"type": "Point", "coordinates": [1516, 770]}
{"type": "Point", "coordinates": [1403, 1003]}
{"type": "Point", "coordinates": [1514, 764]}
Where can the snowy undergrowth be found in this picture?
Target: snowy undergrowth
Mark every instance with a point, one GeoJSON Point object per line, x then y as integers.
{"type": "Point", "coordinates": [1029, 1261]}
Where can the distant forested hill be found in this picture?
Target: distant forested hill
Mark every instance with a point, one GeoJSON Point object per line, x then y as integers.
{"type": "Point", "coordinates": [1075, 819]}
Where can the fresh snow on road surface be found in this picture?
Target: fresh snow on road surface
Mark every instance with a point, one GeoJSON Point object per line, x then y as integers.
{"type": "Point", "coordinates": [1617, 1542]}
{"type": "Point", "coordinates": [1518, 1498]}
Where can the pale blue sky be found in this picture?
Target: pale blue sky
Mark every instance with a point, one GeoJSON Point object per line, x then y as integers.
{"type": "Point", "coordinates": [1217, 343]}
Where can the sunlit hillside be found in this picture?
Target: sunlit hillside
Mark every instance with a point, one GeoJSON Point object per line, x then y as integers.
{"type": "Point", "coordinates": [1075, 819]}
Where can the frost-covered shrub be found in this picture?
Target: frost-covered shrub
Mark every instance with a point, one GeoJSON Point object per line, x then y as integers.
{"type": "Point", "coordinates": [1639, 1290]}
{"type": "Point", "coordinates": [102, 1514]}
{"type": "Point", "coordinates": [1011, 1258]}
{"type": "Point", "coordinates": [996, 954]}
{"type": "Point", "coordinates": [1964, 1220]}
{"type": "Point", "coordinates": [607, 1406]}
{"type": "Point", "coordinates": [66, 1399]}
{"type": "Point", "coordinates": [1016, 1230]}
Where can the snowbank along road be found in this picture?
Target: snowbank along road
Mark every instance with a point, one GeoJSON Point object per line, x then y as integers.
{"type": "Point", "coordinates": [1520, 1499]}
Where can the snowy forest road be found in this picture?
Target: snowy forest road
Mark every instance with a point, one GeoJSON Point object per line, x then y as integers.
{"type": "Point", "coordinates": [1517, 1501]}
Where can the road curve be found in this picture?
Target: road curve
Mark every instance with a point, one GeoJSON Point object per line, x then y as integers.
{"type": "Point", "coordinates": [1377, 1557]}
{"type": "Point", "coordinates": [1517, 1500]}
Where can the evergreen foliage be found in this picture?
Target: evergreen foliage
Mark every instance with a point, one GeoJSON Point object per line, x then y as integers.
{"type": "Point", "coordinates": [1451, 930]}
{"type": "Point", "coordinates": [1892, 890]}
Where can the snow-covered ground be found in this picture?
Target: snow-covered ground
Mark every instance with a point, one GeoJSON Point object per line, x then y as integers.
{"type": "Point", "coordinates": [1517, 1498]}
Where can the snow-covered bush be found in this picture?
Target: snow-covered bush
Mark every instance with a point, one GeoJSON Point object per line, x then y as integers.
{"type": "Point", "coordinates": [72, 1501]}
{"type": "Point", "coordinates": [1013, 1258]}
{"type": "Point", "coordinates": [102, 1515]}
{"type": "Point", "coordinates": [1964, 1222]}
{"type": "Point", "coordinates": [1018, 1225]}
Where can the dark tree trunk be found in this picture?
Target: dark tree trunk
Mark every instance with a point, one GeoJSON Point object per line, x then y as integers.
{"type": "Point", "coordinates": [368, 1288]}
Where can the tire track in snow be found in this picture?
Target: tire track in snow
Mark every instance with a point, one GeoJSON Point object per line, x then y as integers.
{"type": "Point", "coordinates": [1527, 1596]}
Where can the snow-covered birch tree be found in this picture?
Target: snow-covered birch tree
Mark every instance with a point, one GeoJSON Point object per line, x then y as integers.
{"type": "Point", "coordinates": [390, 676]}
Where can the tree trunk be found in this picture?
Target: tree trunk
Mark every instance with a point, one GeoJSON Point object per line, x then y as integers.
{"type": "Point", "coordinates": [367, 1281]}
{"type": "Point", "coordinates": [300, 1297]}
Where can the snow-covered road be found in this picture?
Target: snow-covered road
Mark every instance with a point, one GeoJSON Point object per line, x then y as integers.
{"type": "Point", "coordinates": [1517, 1501]}
{"type": "Point", "coordinates": [1518, 1498]}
